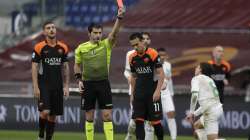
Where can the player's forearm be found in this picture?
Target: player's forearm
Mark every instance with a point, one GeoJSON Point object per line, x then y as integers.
{"type": "Point", "coordinates": [66, 74]}
{"type": "Point", "coordinates": [160, 80]}
{"type": "Point", "coordinates": [194, 99]}
{"type": "Point", "coordinates": [34, 70]}
{"type": "Point", "coordinates": [198, 111]}
{"type": "Point", "coordinates": [132, 82]}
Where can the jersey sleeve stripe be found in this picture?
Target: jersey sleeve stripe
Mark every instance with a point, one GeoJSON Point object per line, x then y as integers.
{"type": "Point", "coordinates": [39, 46]}
{"type": "Point", "coordinates": [64, 46]}
{"type": "Point", "coordinates": [152, 53]}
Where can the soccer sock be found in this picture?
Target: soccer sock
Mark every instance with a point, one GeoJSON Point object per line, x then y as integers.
{"type": "Point", "coordinates": [149, 131]}
{"type": "Point", "coordinates": [172, 128]}
{"type": "Point", "coordinates": [159, 131]}
{"type": "Point", "coordinates": [42, 124]}
{"type": "Point", "coordinates": [131, 127]}
{"type": "Point", "coordinates": [139, 130]}
{"type": "Point", "coordinates": [201, 134]}
{"type": "Point", "coordinates": [89, 130]}
{"type": "Point", "coordinates": [108, 130]}
{"type": "Point", "coordinates": [50, 130]}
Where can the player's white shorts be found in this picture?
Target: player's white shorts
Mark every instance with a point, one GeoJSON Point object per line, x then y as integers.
{"type": "Point", "coordinates": [210, 119]}
{"type": "Point", "coordinates": [167, 102]}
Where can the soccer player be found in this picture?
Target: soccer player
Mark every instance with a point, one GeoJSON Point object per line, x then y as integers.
{"type": "Point", "coordinates": [221, 70]}
{"type": "Point", "coordinates": [94, 57]}
{"type": "Point", "coordinates": [149, 130]}
{"type": "Point", "coordinates": [146, 91]}
{"type": "Point", "coordinates": [49, 60]}
{"type": "Point", "coordinates": [167, 93]}
{"type": "Point", "coordinates": [204, 92]}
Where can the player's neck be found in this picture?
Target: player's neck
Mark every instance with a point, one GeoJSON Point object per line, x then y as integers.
{"type": "Point", "coordinates": [51, 42]}
{"type": "Point", "coordinates": [217, 61]}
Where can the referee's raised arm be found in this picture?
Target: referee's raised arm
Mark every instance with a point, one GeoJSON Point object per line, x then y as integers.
{"type": "Point", "coordinates": [113, 34]}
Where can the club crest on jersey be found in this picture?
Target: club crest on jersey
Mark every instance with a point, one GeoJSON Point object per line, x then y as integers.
{"type": "Point", "coordinates": [60, 51]}
{"type": "Point", "coordinates": [143, 70]}
{"type": "Point", "coordinates": [146, 60]}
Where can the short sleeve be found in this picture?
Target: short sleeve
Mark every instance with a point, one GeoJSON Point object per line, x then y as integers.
{"type": "Point", "coordinates": [158, 62]}
{"type": "Point", "coordinates": [78, 59]}
{"type": "Point", "coordinates": [36, 57]}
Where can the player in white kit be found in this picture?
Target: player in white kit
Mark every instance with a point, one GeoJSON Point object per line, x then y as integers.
{"type": "Point", "coordinates": [149, 129]}
{"type": "Point", "coordinates": [204, 91]}
{"type": "Point", "coordinates": [167, 94]}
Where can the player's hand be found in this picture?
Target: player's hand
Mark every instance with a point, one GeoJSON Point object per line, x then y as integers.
{"type": "Point", "coordinates": [66, 92]}
{"type": "Point", "coordinates": [81, 87]}
{"type": "Point", "coordinates": [190, 118]}
{"type": "Point", "coordinates": [36, 92]}
{"type": "Point", "coordinates": [121, 12]}
{"type": "Point", "coordinates": [156, 96]}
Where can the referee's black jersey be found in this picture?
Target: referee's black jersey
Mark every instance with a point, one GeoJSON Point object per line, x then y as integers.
{"type": "Point", "coordinates": [50, 61]}
{"type": "Point", "coordinates": [144, 66]}
{"type": "Point", "coordinates": [220, 72]}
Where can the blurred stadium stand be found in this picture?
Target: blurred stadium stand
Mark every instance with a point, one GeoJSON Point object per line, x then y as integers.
{"type": "Point", "coordinates": [187, 29]}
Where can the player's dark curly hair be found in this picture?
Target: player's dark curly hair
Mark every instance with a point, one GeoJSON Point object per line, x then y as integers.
{"type": "Point", "coordinates": [206, 69]}
{"type": "Point", "coordinates": [136, 35]}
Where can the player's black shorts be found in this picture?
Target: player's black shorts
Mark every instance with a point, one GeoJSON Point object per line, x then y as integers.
{"type": "Point", "coordinates": [147, 109]}
{"type": "Point", "coordinates": [99, 91]}
{"type": "Point", "coordinates": [52, 100]}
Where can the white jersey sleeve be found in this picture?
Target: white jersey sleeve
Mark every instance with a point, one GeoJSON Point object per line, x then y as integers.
{"type": "Point", "coordinates": [127, 71]}
{"type": "Point", "coordinates": [195, 85]}
{"type": "Point", "coordinates": [168, 80]}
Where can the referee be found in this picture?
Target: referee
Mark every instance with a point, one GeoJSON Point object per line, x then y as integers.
{"type": "Point", "coordinates": [92, 61]}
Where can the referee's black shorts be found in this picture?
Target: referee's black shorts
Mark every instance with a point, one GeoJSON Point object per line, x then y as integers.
{"type": "Point", "coordinates": [99, 91]}
{"type": "Point", "coordinates": [51, 99]}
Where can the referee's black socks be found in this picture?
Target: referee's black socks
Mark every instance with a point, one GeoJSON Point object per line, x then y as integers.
{"type": "Point", "coordinates": [139, 130]}
{"type": "Point", "coordinates": [158, 131]}
{"type": "Point", "coordinates": [50, 130]}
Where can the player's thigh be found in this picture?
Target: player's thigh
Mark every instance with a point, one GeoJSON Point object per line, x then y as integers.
{"type": "Point", "coordinates": [139, 109]}
{"type": "Point", "coordinates": [104, 95]}
{"type": "Point", "coordinates": [154, 111]}
{"type": "Point", "coordinates": [167, 103]}
{"type": "Point", "coordinates": [56, 105]}
{"type": "Point", "coordinates": [88, 100]}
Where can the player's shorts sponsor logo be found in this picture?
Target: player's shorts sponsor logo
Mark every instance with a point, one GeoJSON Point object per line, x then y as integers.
{"type": "Point", "coordinates": [53, 61]}
{"type": "Point", "coordinates": [143, 70]}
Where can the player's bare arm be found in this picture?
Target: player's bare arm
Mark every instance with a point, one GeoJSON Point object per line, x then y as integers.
{"type": "Point", "coordinates": [157, 93]}
{"type": "Point", "coordinates": [66, 78]}
{"type": "Point", "coordinates": [77, 70]}
{"type": "Point", "coordinates": [34, 70]}
{"type": "Point", "coordinates": [133, 82]}
{"type": "Point", "coordinates": [113, 34]}
{"type": "Point", "coordinates": [194, 100]}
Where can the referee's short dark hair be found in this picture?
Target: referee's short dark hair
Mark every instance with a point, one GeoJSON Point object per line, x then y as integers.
{"type": "Point", "coordinates": [136, 35]}
{"type": "Point", "coordinates": [206, 69]}
{"type": "Point", "coordinates": [94, 25]}
{"type": "Point", "coordinates": [46, 23]}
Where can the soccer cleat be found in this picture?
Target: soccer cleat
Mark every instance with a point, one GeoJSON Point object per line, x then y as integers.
{"type": "Point", "coordinates": [40, 138]}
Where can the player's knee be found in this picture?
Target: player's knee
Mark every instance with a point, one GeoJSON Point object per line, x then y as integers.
{"type": "Point", "coordinates": [197, 125]}
{"type": "Point", "coordinates": [89, 116]}
{"type": "Point", "coordinates": [106, 116]}
{"type": "Point", "coordinates": [44, 114]}
{"type": "Point", "coordinates": [171, 114]}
